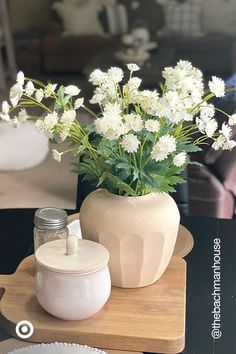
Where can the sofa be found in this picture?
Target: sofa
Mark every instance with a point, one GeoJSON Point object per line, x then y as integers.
{"type": "Point", "coordinates": [214, 53]}
{"type": "Point", "coordinates": [212, 186]}
{"type": "Point", "coordinates": [69, 53]}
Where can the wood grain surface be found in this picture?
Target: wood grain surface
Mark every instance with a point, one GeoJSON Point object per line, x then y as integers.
{"type": "Point", "coordinates": [149, 319]}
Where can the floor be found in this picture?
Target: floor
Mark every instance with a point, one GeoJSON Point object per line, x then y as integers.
{"type": "Point", "coordinates": [49, 184]}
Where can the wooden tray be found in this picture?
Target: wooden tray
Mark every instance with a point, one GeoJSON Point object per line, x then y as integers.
{"type": "Point", "coordinates": [149, 319]}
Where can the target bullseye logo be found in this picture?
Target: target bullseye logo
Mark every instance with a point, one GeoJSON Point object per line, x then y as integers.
{"type": "Point", "coordinates": [24, 329]}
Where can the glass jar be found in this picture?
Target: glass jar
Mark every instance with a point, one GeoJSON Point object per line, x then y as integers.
{"type": "Point", "coordinates": [50, 224]}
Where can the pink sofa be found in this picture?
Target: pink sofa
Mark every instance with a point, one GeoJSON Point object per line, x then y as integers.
{"type": "Point", "coordinates": [212, 187]}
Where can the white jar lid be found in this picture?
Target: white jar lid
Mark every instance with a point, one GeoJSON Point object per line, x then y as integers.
{"type": "Point", "coordinates": [72, 256]}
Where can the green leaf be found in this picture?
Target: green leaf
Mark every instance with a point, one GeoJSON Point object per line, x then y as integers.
{"type": "Point", "coordinates": [60, 92]}
{"type": "Point", "coordinates": [136, 173]}
{"type": "Point", "coordinates": [80, 149]}
{"type": "Point", "coordinates": [105, 146]}
{"type": "Point", "coordinates": [89, 128]}
{"type": "Point", "coordinates": [57, 105]}
{"type": "Point", "coordinates": [111, 161]}
{"type": "Point", "coordinates": [66, 100]}
{"type": "Point", "coordinates": [88, 168]}
{"type": "Point", "coordinates": [122, 165]}
{"type": "Point", "coordinates": [117, 182]}
{"type": "Point", "coordinates": [187, 147]}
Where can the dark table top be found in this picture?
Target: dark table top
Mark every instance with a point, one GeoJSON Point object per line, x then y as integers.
{"type": "Point", "coordinates": [16, 237]}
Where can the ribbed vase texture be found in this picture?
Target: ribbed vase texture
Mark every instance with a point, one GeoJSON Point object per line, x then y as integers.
{"type": "Point", "coordinates": [139, 233]}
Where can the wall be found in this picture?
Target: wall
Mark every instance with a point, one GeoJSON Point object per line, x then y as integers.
{"type": "Point", "coordinates": [29, 13]}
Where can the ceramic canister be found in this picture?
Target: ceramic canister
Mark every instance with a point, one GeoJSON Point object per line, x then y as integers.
{"type": "Point", "coordinates": [73, 279]}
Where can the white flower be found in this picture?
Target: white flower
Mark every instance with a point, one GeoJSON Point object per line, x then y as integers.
{"type": "Point", "coordinates": [109, 129]}
{"type": "Point", "coordinates": [207, 112]}
{"type": "Point", "coordinates": [130, 143]}
{"type": "Point", "coordinates": [39, 125]}
{"type": "Point", "coordinates": [200, 124]}
{"type": "Point", "coordinates": [158, 154]}
{"type": "Point", "coordinates": [133, 67]}
{"type": "Point", "coordinates": [15, 122]}
{"type": "Point", "coordinates": [149, 101]}
{"type": "Point", "coordinates": [50, 121]}
{"type": "Point", "coordinates": [68, 117]}
{"type": "Point", "coordinates": [113, 109]}
{"type": "Point", "coordinates": [105, 93]}
{"type": "Point", "coordinates": [186, 80]}
{"type": "Point", "coordinates": [100, 125]}
{"type": "Point", "coordinates": [78, 103]}
{"type": "Point", "coordinates": [180, 159]}
{"type": "Point", "coordinates": [185, 65]}
{"type": "Point", "coordinates": [29, 88]}
{"type": "Point", "coordinates": [133, 83]}
{"type": "Point", "coordinates": [187, 117]}
{"type": "Point", "coordinates": [98, 98]}
{"type": "Point", "coordinates": [39, 94]}
{"type": "Point", "coordinates": [57, 155]}
{"type": "Point", "coordinates": [232, 119]}
{"type": "Point", "coordinates": [211, 127]}
{"type": "Point", "coordinates": [229, 145]}
{"type": "Point", "coordinates": [97, 77]}
{"type": "Point", "coordinates": [152, 125]}
{"type": "Point", "coordinates": [5, 107]}
{"type": "Point", "coordinates": [64, 133]}
{"type": "Point", "coordinates": [165, 145]}
{"type": "Point", "coordinates": [217, 86]}
{"type": "Point", "coordinates": [72, 90]}
{"type": "Point", "coordinates": [219, 142]}
{"type": "Point", "coordinates": [5, 116]}
{"type": "Point", "coordinates": [115, 74]}
{"type": "Point", "coordinates": [223, 143]}
{"type": "Point", "coordinates": [49, 89]}
{"type": "Point", "coordinates": [130, 89]}
{"type": "Point", "coordinates": [110, 125]}
{"type": "Point", "coordinates": [23, 115]}
{"type": "Point", "coordinates": [16, 93]}
{"type": "Point", "coordinates": [20, 78]}
{"type": "Point", "coordinates": [133, 122]}
{"type": "Point", "coordinates": [226, 131]}
{"type": "Point", "coordinates": [5, 110]}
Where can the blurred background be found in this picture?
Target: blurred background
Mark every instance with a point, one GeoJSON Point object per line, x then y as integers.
{"type": "Point", "coordinates": [63, 41]}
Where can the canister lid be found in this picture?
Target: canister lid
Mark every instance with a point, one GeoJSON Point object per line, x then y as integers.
{"type": "Point", "coordinates": [72, 256]}
{"type": "Point", "coordinates": [50, 218]}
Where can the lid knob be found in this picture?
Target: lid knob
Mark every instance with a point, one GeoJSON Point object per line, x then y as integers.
{"type": "Point", "coordinates": [72, 245]}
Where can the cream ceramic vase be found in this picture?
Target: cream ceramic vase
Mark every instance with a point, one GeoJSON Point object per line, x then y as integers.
{"type": "Point", "coordinates": [139, 233]}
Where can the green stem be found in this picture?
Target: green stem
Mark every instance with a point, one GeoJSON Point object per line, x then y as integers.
{"type": "Point", "coordinates": [38, 103]}
{"type": "Point", "coordinates": [135, 160]}
{"type": "Point", "coordinates": [37, 82]}
{"type": "Point", "coordinates": [90, 111]}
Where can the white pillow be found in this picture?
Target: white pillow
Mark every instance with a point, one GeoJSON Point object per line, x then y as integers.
{"type": "Point", "coordinates": [183, 19]}
{"type": "Point", "coordinates": [219, 17]}
{"type": "Point", "coordinates": [79, 17]}
{"type": "Point", "coordinates": [21, 148]}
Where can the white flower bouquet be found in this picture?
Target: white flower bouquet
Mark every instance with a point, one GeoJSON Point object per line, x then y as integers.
{"type": "Point", "coordinates": [140, 141]}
